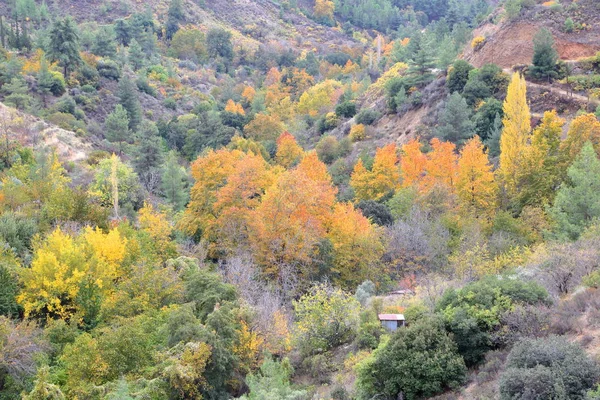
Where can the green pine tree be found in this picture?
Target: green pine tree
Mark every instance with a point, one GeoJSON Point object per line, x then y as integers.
{"type": "Point", "coordinates": [455, 124]}
{"type": "Point", "coordinates": [545, 56]}
{"type": "Point", "coordinates": [116, 126]}
{"type": "Point", "coordinates": [128, 98]}
{"type": "Point", "coordinates": [577, 203]}
{"type": "Point", "coordinates": [421, 62]}
{"type": "Point", "coordinates": [493, 141]}
{"type": "Point", "coordinates": [174, 182]}
{"type": "Point", "coordinates": [17, 93]}
{"type": "Point", "coordinates": [148, 152]}
{"type": "Point", "coordinates": [104, 42]}
{"type": "Point", "coordinates": [64, 45]}
{"type": "Point", "coordinates": [44, 80]}
{"type": "Point", "coordinates": [136, 55]}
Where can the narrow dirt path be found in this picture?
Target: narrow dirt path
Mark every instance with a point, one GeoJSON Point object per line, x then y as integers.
{"type": "Point", "coordinates": [559, 91]}
{"type": "Point", "coordinates": [565, 93]}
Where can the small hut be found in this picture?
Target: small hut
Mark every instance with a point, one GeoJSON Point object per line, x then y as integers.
{"type": "Point", "coordinates": [392, 321]}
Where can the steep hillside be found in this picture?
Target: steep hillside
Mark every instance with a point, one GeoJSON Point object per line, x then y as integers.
{"type": "Point", "coordinates": [510, 42]}
{"type": "Point", "coordinates": [252, 22]}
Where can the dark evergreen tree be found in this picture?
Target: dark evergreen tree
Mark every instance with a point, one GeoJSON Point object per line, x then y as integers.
{"type": "Point", "coordinates": [104, 42]}
{"type": "Point", "coordinates": [116, 126]}
{"type": "Point", "coordinates": [545, 56]}
{"type": "Point", "coordinates": [458, 76]}
{"type": "Point", "coordinates": [218, 43]}
{"type": "Point", "coordinates": [64, 45]}
{"type": "Point", "coordinates": [136, 55]}
{"type": "Point", "coordinates": [128, 98]}
{"type": "Point", "coordinates": [122, 32]}
{"type": "Point", "coordinates": [455, 123]}
{"type": "Point", "coordinates": [493, 141]}
{"type": "Point", "coordinates": [486, 115]}
{"type": "Point", "coordinates": [421, 62]}
{"type": "Point", "coordinates": [174, 182]}
{"type": "Point", "coordinates": [176, 10]}
{"type": "Point", "coordinates": [45, 81]}
{"type": "Point", "coordinates": [148, 150]}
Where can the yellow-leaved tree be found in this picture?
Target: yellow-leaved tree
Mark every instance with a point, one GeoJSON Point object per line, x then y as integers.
{"type": "Point", "coordinates": [324, 9]}
{"type": "Point", "coordinates": [542, 171]}
{"type": "Point", "coordinates": [69, 275]}
{"type": "Point", "coordinates": [584, 128]}
{"type": "Point", "coordinates": [158, 227]}
{"type": "Point", "coordinates": [475, 184]}
{"type": "Point", "coordinates": [382, 179]}
{"type": "Point", "coordinates": [515, 135]}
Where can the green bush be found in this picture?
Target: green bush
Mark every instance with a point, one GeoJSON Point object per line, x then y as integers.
{"type": "Point", "coordinates": [367, 116]}
{"type": "Point", "coordinates": [108, 69]}
{"type": "Point", "coordinates": [347, 109]}
{"type": "Point", "coordinates": [418, 361]}
{"type": "Point", "coordinates": [569, 25]}
{"type": "Point", "coordinates": [272, 381]}
{"type": "Point", "coordinates": [548, 368]}
{"type": "Point", "coordinates": [325, 318]}
{"type": "Point", "coordinates": [475, 311]}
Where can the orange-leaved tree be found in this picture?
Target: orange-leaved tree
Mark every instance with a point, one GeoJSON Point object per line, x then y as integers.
{"type": "Point", "coordinates": [287, 226]}
{"type": "Point", "coordinates": [289, 152]}
{"type": "Point", "coordinates": [357, 245]}
{"type": "Point", "coordinates": [412, 164]}
{"type": "Point", "coordinates": [440, 168]}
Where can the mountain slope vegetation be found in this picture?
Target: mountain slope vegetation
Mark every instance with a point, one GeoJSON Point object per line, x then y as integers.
{"type": "Point", "coordinates": [210, 199]}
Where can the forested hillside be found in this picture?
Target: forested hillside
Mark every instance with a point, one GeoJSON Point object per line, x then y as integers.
{"type": "Point", "coordinates": [299, 199]}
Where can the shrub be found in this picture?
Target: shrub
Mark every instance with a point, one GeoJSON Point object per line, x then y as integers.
{"type": "Point", "coordinates": [369, 331]}
{"type": "Point", "coordinates": [364, 292]}
{"type": "Point", "coordinates": [273, 382]}
{"type": "Point", "coordinates": [569, 25]}
{"type": "Point", "coordinates": [328, 149]}
{"type": "Point", "coordinates": [170, 103]}
{"type": "Point", "coordinates": [347, 109]}
{"type": "Point", "coordinates": [378, 213]}
{"type": "Point", "coordinates": [58, 85]}
{"type": "Point", "coordinates": [367, 116]}
{"type": "Point", "coordinates": [548, 368]}
{"type": "Point", "coordinates": [475, 311]}
{"type": "Point", "coordinates": [108, 69]}
{"type": "Point", "coordinates": [325, 317]}
{"type": "Point", "coordinates": [144, 86]}
{"type": "Point", "coordinates": [357, 133]}
{"type": "Point", "coordinates": [328, 122]}
{"type": "Point", "coordinates": [418, 361]}
{"type": "Point", "coordinates": [477, 43]}
{"type": "Point", "coordinates": [66, 104]}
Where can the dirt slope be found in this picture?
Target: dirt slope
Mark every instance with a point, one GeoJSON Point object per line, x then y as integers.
{"type": "Point", "coordinates": [511, 43]}
{"type": "Point", "coordinates": [33, 132]}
